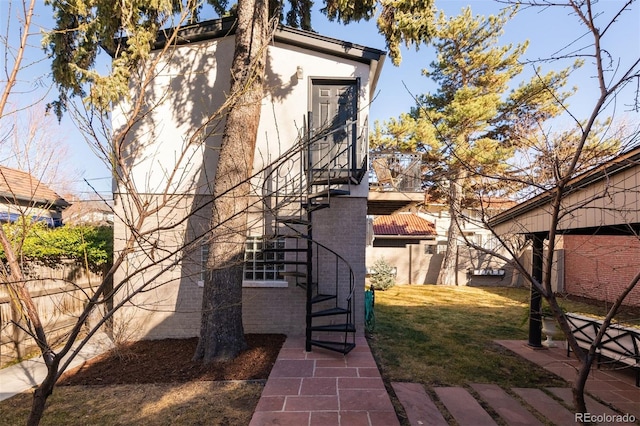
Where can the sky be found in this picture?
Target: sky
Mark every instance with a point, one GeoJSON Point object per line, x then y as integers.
{"type": "Point", "coordinates": [548, 30]}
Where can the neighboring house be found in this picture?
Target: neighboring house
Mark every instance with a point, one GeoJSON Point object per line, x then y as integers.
{"type": "Point", "coordinates": [406, 242]}
{"type": "Point", "coordinates": [23, 195]}
{"type": "Point", "coordinates": [597, 246]}
{"type": "Point", "coordinates": [475, 268]}
{"type": "Point", "coordinates": [89, 212]}
{"type": "Point", "coordinates": [316, 101]}
{"type": "Point", "coordinates": [396, 189]}
{"type": "Point", "coordinates": [470, 220]}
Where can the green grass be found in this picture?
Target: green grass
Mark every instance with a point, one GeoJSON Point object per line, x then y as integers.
{"type": "Point", "coordinates": [444, 336]}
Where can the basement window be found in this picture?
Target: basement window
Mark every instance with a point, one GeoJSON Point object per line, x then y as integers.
{"type": "Point", "coordinates": [260, 267]}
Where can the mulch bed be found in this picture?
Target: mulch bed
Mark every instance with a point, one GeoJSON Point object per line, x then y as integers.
{"type": "Point", "coordinates": [170, 360]}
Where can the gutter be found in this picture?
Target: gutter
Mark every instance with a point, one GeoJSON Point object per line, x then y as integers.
{"type": "Point", "coordinates": [219, 28]}
{"type": "Point", "coordinates": [60, 202]}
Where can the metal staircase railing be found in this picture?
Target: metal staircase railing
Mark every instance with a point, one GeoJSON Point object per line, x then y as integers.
{"type": "Point", "coordinates": [293, 191]}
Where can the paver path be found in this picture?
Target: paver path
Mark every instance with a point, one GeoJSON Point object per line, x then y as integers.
{"type": "Point", "coordinates": [325, 389]}
{"type": "Point", "coordinates": [419, 407]}
{"type": "Point", "coordinates": [515, 407]}
{"type": "Point", "coordinates": [510, 409]}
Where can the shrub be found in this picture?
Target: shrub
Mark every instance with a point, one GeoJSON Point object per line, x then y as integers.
{"type": "Point", "coordinates": [48, 247]}
{"type": "Point", "coordinates": [384, 275]}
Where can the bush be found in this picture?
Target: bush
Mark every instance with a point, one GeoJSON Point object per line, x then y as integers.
{"type": "Point", "coordinates": [384, 275]}
{"type": "Point", "coordinates": [46, 246]}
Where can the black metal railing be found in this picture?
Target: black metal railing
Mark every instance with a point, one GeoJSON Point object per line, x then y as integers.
{"type": "Point", "coordinates": [396, 172]}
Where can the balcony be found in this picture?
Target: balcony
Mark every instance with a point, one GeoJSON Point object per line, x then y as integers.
{"type": "Point", "coordinates": [338, 154]}
{"type": "Point", "coordinates": [395, 182]}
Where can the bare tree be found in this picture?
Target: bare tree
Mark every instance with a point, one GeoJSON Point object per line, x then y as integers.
{"type": "Point", "coordinates": [556, 177]}
{"type": "Point", "coordinates": [33, 145]}
{"type": "Point", "coordinates": [138, 212]}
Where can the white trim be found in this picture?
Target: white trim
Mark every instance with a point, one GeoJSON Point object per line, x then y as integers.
{"type": "Point", "coordinates": [266, 284]}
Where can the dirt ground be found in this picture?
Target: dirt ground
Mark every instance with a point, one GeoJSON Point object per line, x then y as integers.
{"type": "Point", "coordinates": [169, 361]}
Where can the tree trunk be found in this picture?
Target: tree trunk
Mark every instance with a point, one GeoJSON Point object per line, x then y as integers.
{"type": "Point", "coordinates": [43, 391]}
{"type": "Point", "coordinates": [448, 274]}
{"type": "Point", "coordinates": [221, 330]}
{"type": "Point", "coordinates": [579, 403]}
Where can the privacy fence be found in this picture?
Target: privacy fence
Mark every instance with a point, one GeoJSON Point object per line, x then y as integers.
{"type": "Point", "coordinates": [59, 294]}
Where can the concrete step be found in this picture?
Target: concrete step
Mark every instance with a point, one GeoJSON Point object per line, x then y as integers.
{"type": "Point", "coordinates": [418, 406]}
{"type": "Point", "coordinates": [463, 407]}
{"type": "Point", "coordinates": [508, 407]}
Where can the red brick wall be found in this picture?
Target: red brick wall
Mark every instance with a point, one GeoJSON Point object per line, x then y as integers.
{"type": "Point", "coordinates": [600, 267]}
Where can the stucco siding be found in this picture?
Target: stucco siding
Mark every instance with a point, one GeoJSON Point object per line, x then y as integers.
{"type": "Point", "coordinates": [413, 265]}
{"type": "Point", "coordinates": [172, 155]}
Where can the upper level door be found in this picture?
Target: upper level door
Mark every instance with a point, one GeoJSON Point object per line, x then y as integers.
{"type": "Point", "coordinates": [333, 120]}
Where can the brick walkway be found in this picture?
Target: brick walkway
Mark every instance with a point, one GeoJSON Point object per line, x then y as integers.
{"type": "Point", "coordinates": [324, 388]}
{"type": "Point", "coordinates": [328, 389]}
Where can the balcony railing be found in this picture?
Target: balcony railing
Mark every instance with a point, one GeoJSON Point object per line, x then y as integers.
{"type": "Point", "coordinates": [400, 172]}
{"type": "Point", "coordinates": [338, 151]}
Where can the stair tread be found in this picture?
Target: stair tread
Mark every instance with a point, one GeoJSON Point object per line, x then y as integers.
{"type": "Point", "coordinates": [335, 180]}
{"type": "Point", "coordinates": [322, 297]}
{"type": "Point", "coordinates": [293, 274]}
{"type": "Point", "coordinates": [347, 327]}
{"type": "Point", "coordinates": [330, 311]}
{"type": "Point", "coordinates": [327, 192]}
{"type": "Point", "coordinates": [315, 207]}
{"type": "Point", "coordinates": [341, 347]}
{"type": "Point", "coordinates": [292, 220]}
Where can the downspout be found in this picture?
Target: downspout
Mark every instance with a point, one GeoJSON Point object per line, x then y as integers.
{"type": "Point", "coordinates": [410, 262]}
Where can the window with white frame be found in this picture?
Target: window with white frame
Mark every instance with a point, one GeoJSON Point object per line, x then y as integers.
{"type": "Point", "coordinates": [259, 265]}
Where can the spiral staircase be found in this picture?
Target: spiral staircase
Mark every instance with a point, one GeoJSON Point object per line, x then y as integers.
{"type": "Point", "coordinates": [323, 164]}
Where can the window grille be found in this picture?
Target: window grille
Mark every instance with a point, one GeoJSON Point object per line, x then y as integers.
{"type": "Point", "coordinates": [260, 265]}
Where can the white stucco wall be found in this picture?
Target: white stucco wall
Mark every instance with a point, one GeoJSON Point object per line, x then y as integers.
{"type": "Point", "coordinates": [166, 157]}
{"type": "Point", "coordinates": [166, 154]}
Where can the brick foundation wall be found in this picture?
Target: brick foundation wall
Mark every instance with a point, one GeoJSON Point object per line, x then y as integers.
{"type": "Point", "coordinates": [600, 267]}
{"type": "Point", "coordinates": [343, 227]}
{"type": "Point", "coordinates": [171, 306]}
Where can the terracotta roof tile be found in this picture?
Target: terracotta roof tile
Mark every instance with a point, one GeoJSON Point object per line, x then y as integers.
{"type": "Point", "coordinates": [403, 224]}
{"type": "Point", "coordinates": [19, 185]}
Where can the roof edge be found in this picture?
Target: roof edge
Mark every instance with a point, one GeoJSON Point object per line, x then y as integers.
{"type": "Point", "coordinates": [615, 165]}
{"type": "Point", "coordinates": [222, 27]}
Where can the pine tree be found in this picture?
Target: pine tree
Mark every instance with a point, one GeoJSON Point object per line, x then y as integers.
{"type": "Point", "coordinates": [471, 125]}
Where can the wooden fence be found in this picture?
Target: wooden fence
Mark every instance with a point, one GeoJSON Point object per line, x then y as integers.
{"type": "Point", "coordinates": [59, 295]}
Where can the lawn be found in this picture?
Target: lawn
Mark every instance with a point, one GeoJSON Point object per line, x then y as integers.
{"type": "Point", "coordinates": [435, 335]}
{"type": "Point", "coordinates": [444, 336]}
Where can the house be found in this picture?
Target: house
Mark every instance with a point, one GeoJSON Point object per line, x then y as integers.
{"type": "Point", "coordinates": [23, 195]}
{"type": "Point", "coordinates": [89, 212]}
{"type": "Point", "coordinates": [310, 179]}
{"type": "Point", "coordinates": [597, 245]}
{"type": "Point", "coordinates": [396, 190]}
{"type": "Point", "coordinates": [405, 241]}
